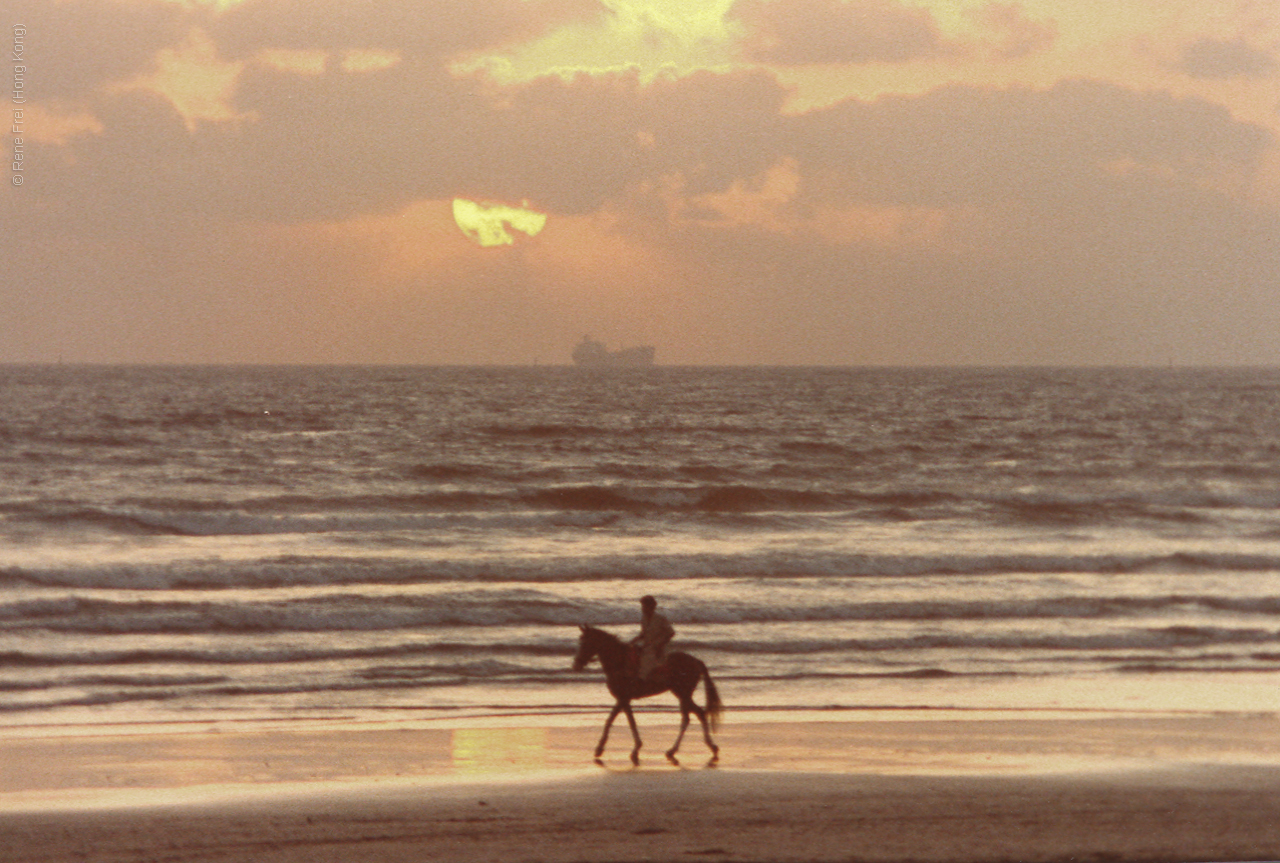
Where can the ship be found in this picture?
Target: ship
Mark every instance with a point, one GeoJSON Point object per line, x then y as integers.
{"type": "Point", "coordinates": [592, 353]}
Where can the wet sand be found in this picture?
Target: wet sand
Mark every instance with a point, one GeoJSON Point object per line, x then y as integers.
{"type": "Point", "coordinates": [899, 787]}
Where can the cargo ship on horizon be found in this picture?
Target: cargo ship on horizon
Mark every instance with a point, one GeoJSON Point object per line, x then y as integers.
{"type": "Point", "coordinates": [592, 353]}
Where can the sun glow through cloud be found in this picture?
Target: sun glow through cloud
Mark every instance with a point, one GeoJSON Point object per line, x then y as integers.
{"type": "Point", "coordinates": [487, 223]}
{"type": "Point", "coordinates": [194, 79]}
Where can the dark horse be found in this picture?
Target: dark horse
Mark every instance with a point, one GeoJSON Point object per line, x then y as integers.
{"type": "Point", "coordinates": [680, 674]}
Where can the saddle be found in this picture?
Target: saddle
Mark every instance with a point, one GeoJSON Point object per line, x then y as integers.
{"type": "Point", "coordinates": [633, 665]}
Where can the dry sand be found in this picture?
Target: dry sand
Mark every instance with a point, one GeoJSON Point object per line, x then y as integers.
{"type": "Point", "coordinates": [1192, 787]}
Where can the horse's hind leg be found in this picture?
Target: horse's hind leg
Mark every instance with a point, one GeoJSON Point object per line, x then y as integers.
{"type": "Point", "coordinates": [706, 735]}
{"type": "Point", "coordinates": [706, 731]}
{"type": "Point", "coordinates": [685, 705]}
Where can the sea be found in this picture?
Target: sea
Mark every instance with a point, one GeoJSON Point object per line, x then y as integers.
{"type": "Point", "coordinates": [367, 544]}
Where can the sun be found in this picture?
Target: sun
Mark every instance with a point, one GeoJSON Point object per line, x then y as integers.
{"type": "Point", "coordinates": [487, 223]}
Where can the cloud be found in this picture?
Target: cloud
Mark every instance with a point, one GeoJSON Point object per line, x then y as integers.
{"type": "Point", "coordinates": [1082, 223]}
{"type": "Point", "coordinates": [302, 211]}
{"type": "Point", "coordinates": [343, 140]}
{"type": "Point", "coordinates": [1226, 58]}
{"type": "Point", "coordinates": [961, 144]}
{"type": "Point", "coordinates": [340, 143]}
{"type": "Point", "coordinates": [424, 29]}
{"type": "Point", "coordinates": [1015, 33]}
{"type": "Point", "coordinates": [84, 44]}
{"type": "Point", "coordinates": [797, 32]}
{"type": "Point", "coordinates": [193, 78]}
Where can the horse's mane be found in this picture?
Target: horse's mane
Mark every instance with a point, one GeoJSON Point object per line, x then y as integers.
{"type": "Point", "coordinates": [605, 633]}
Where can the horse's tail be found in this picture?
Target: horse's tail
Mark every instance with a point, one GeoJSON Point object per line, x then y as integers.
{"type": "Point", "coordinates": [715, 706]}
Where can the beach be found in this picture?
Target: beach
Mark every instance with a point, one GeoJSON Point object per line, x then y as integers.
{"type": "Point", "coordinates": [329, 614]}
{"type": "Point", "coordinates": [899, 786]}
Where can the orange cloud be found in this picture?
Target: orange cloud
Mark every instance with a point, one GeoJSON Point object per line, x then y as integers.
{"type": "Point", "coordinates": [889, 227]}
{"type": "Point", "coordinates": [764, 201]}
{"type": "Point", "coordinates": [52, 123]}
{"type": "Point", "coordinates": [368, 60]}
{"type": "Point", "coordinates": [398, 247]}
{"type": "Point", "coordinates": [775, 202]}
{"type": "Point", "coordinates": [301, 62]}
{"type": "Point", "coordinates": [194, 79]}
{"type": "Point", "coordinates": [798, 32]}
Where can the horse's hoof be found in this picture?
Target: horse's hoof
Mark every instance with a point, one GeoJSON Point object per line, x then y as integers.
{"type": "Point", "coordinates": [671, 756]}
{"type": "Point", "coordinates": [598, 760]}
{"type": "Point", "coordinates": [635, 758]}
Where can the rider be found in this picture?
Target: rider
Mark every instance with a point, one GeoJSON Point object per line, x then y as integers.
{"type": "Point", "coordinates": [655, 632]}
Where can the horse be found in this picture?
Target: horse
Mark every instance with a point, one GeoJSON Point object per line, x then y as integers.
{"type": "Point", "coordinates": [680, 674]}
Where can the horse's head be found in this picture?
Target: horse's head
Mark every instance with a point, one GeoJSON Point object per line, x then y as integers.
{"type": "Point", "coordinates": [589, 645]}
{"type": "Point", "coordinates": [586, 652]}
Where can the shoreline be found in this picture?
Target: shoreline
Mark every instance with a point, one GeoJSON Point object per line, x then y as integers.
{"type": "Point", "coordinates": [911, 787]}
{"type": "Point", "coordinates": [87, 758]}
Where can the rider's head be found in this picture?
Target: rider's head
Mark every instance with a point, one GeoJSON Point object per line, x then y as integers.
{"type": "Point", "coordinates": [648, 604]}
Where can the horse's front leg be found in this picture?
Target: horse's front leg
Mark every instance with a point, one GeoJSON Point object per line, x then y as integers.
{"type": "Point", "coordinates": [604, 738]}
{"type": "Point", "coordinates": [635, 734]}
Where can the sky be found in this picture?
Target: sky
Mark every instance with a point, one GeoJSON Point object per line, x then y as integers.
{"type": "Point", "coordinates": [842, 182]}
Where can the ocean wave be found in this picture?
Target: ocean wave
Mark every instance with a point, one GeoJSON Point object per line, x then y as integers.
{"type": "Point", "coordinates": [575, 431]}
{"type": "Point", "coordinates": [456, 492]}
{"type": "Point", "coordinates": [478, 668]}
{"type": "Point", "coordinates": [66, 696]}
{"type": "Point", "coordinates": [368, 522]}
{"type": "Point", "coordinates": [54, 701]}
{"type": "Point", "coordinates": [1185, 666]}
{"type": "Point", "coordinates": [405, 670]}
{"type": "Point", "coordinates": [435, 567]}
{"type": "Point", "coordinates": [625, 432]}
{"type": "Point", "coordinates": [485, 609]}
{"type": "Point", "coordinates": [250, 654]}
{"type": "Point", "coordinates": [132, 523]}
{"type": "Point", "coordinates": [1125, 638]}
